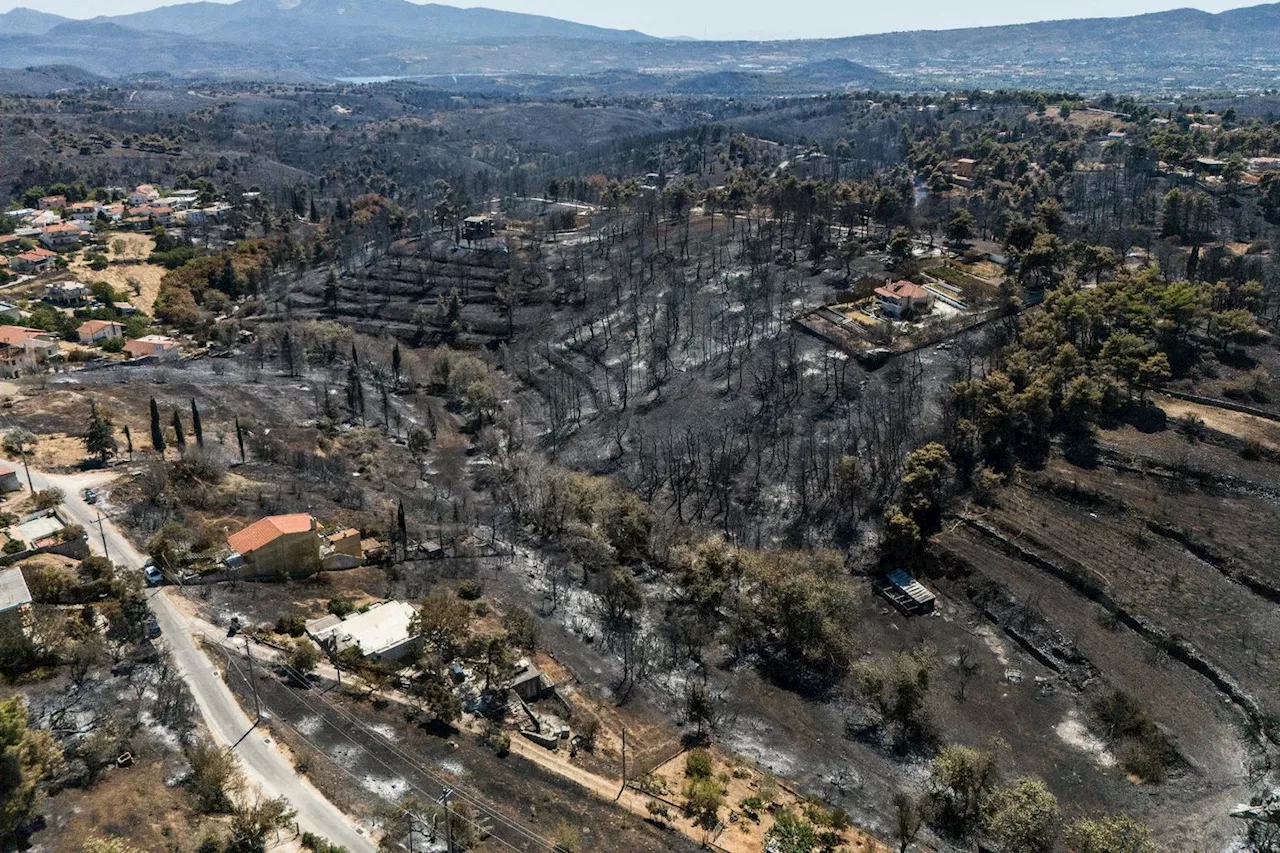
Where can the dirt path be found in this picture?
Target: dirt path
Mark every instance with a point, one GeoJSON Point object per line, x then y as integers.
{"type": "Point", "coordinates": [1246, 427]}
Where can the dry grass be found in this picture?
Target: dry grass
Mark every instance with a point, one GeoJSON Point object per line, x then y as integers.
{"type": "Point", "coordinates": [742, 833]}
{"type": "Point", "coordinates": [129, 264]}
{"type": "Point", "coordinates": [133, 804]}
{"type": "Point", "coordinates": [1242, 426]}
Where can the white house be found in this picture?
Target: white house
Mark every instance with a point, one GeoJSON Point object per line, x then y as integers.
{"type": "Point", "coordinates": [144, 194]}
{"type": "Point", "coordinates": [97, 331]}
{"type": "Point", "coordinates": [902, 298]}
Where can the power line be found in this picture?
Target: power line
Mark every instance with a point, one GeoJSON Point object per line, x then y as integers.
{"type": "Point", "coordinates": [471, 800]}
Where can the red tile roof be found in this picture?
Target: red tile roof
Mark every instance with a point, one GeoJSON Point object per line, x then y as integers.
{"type": "Point", "coordinates": [88, 327]}
{"type": "Point", "coordinates": [903, 290]}
{"type": "Point", "coordinates": [268, 530]}
{"type": "Point", "coordinates": [17, 335]}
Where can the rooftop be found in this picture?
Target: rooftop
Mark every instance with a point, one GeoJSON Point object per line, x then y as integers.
{"type": "Point", "coordinates": [379, 628]}
{"type": "Point", "coordinates": [268, 530]}
{"type": "Point", "coordinates": [13, 589]}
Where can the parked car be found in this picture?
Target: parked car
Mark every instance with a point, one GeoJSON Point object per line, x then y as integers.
{"type": "Point", "coordinates": [90, 496]}
{"type": "Point", "coordinates": [153, 627]}
{"type": "Point", "coordinates": [153, 575]}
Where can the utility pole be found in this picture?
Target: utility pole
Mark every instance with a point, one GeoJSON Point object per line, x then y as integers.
{"type": "Point", "coordinates": [103, 530]}
{"type": "Point", "coordinates": [257, 709]}
{"type": "Point", "coordinates": [448, 822]}
{"type": "Point", "coordinates": [624, 765]}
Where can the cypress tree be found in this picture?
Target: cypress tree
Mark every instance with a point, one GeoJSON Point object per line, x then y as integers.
{"type": "Point", "coordinates": [157, 432]}
{"type": "Point", "coordinates": [196, 427]}
{"type": "Point", "coordinates": [240, 440]}
{"type": "Point", "coordinates": [395, 363]}
{"type": "Point", "coordinates": [128, 441]}
{"type": "Point", "coordinates": [178, 437]}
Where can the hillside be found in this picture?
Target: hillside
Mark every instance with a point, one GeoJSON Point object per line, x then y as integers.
{"type": "Point", "coordinates": [1169, 51]}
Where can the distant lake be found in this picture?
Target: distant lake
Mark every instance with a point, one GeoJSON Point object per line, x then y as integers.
{"type": "Point", "coordinates": [360, 81]}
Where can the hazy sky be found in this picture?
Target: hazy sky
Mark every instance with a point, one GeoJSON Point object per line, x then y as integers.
{"type": "Point", "coordinates": [752, 19]}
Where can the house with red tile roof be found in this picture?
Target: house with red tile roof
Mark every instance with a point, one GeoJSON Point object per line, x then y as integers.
{"type": "Point", "coordinates": [97, 331]}
{"type": "Point", "coordinates": [23, 349]}
{"type": "Point", "coordinates": [903, 299]}
{"type": "Point", "coordinates": [153, 346]}
{"type": "Point", "coordinates": [35, 261]}
{"type": "Point", "coordinates": [285, 545]}
{"type": "Point", "coordinates": [64, 235]}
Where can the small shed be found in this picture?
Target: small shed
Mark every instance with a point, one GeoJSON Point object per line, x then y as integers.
{"type": "Point", "coordinates": [907, 593]}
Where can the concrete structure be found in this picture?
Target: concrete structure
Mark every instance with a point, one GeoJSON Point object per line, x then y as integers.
{"type": "Point", "coordinates": [144, 194]}
{"type": "Point", "coordinates": [155, 346]}
{"type": "Point", "coordinates": [9, 479]}
{"type": "Point", "coordinates": [477, 227]}
{"type": "Point", "coordinates": [64, 235]}
{"type": "Point", "coordinates": [964, 167]}
{"type": "Point", "coordinates": [23, 349]}
{"type": "Point", "coordinates": [97, 331]}
{"type": "Point", "coordinates": [52, 202]}
{"type": "Point", "coordinates": [15, 601]}
{"type": "Point", "coordinates": [35, 261]}
{"type": "Point", "coordinates": [11, 313]}
{"type": "Point", "coordinates": [67, 293]}
{"type": "Point", "coordinates": [903, 298]}
{"type": "Point", "coordinates": [277, 545]}
{"type": "Point", "coordinates": [382, 633]}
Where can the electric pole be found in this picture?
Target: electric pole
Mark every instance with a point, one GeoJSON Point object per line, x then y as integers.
{"type": "Point", "coordinates": [103, 530]}
{"type": "Point", "coordinates": [257, 709]}
{"type": "Point", "coordinates": [448, 822]}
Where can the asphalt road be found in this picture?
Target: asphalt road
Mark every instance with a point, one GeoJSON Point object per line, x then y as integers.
{"type": "Point", "coordinates": [263, 764]}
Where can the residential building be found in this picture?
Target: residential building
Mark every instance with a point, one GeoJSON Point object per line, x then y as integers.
{"type": "Point", "coordinates": [964, 167]}
{"type": "Point", "coordinates": [34, 261]}
{"type": "Point", "coordinates": [902, 299]}
{"type": "Point", "coordinates": [10, 242]}
{"type": "Point", "coordinates": [84, 211]}
{"type": "Point", "coordinates": [1264, 164]}
{"type": "Point", "coordinates": [23, 349]}
{"type": "Point", "coordinates": [381, 633]}
{"type": "Point", "coordinates": [477, 228]}
{"type": "Point", "coordinates": [52, 202]}
{"type": "Point", "coordinates": [144, 194]}
{"type": "Point", "coordinates": [15, 601]}
{"type": "Point", "coordinates": [97, 331]}
{"type": "Point", "coordinates": [66, 293]}
{"type": "Point", "coordinates": [153, 346]}
{"type": "Point", "coordinates": [276, 545]}
{"type": "Point", "coordinates": [11, 313]}
{"type": "Point", "coordinates": [64, 235]}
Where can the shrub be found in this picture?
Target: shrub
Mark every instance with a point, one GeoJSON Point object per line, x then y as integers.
{"type": "Point", "coordinates": [470, 590]}
{"type": "Point", "coordinates": [703, 799]}
{"type": "Point", "coordinates": [14, 546]}
{"type": "Point", "coordinates": [341, 606]}
{"type": "Point", "coordinates": [294, 626]}
{"type": "Point", "coordinates": [697, 764]}
{"type": "Point", "coordinates": [47, 498]}
{"type": "Point", "coordinates": [112, 345]}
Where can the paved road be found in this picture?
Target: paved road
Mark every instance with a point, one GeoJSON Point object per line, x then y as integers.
{"type": "Point", "coordinates": [262, 763]}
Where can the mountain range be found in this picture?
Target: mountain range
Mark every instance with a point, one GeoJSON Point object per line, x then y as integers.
{"type": "Point", "coordinates": [325, 39]}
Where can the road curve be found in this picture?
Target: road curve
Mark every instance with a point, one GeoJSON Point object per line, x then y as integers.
{"type": "Point", "coordinates": [263, 764]}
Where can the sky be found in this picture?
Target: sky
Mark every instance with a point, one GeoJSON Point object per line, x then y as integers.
{"type": "Point", "coordinates": [752, 19]}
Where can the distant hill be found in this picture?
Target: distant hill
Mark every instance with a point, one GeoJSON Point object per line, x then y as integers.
{"type": "Point", "coordinates": [288, 20]}
{"type": "Point", "coordinates": [22, 21]}
{"type": "Point", "coordinates": [44, 80]}
{"type": "Point", "coordinates": [1170, 51]}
